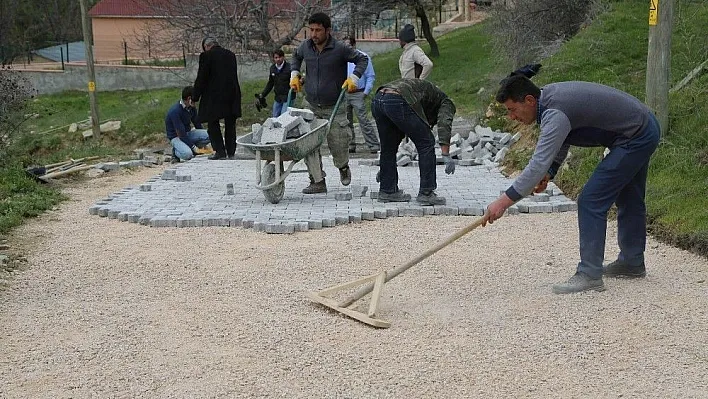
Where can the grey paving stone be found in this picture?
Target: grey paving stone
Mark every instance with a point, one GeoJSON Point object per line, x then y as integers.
{"type": "Point", "coordinates": [280, 228]}
{"type": "Point", "coordinates": [343, 196]}
{"type": "Point", "coordinates": [314, 224]}
{"type": "Point", "coordinates": [472, 211]}
{"type": "Point", "coordinates": [565, 206]}
{"type": "Point", "coordinates": [418, 211]}
{"type": "Point", "coordinates": [380, 213]}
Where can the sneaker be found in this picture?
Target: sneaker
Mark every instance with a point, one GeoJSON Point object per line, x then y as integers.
{"type": "Point", "coordinates": [398, 196]}
{"type": "Point", "coordinates": [622, 269]}
{"type": "Point", "coordinates": [315, 188]}
{"type": "Point", "coordinates": [430, 199]}
{"type": "Point", "coordinates": [579, 282]}
{"type": "Point", "coordinates": [345, 175]}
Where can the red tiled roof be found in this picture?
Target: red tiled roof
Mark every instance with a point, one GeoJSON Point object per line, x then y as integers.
{"type": "Point", "coordinates": [142, 8]}
{"type": "Point", "coordinates": [122, 8]}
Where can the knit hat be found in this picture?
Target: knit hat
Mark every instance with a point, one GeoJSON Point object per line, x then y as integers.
{"type": "Point", "coordinates": [407, 34]}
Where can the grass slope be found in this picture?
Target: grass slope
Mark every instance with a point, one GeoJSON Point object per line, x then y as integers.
{"type": "Point", "coordinates": [613, 51]}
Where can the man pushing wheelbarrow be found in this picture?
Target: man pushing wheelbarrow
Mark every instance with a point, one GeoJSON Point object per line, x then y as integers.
{"type": "Point", "coordinates": [326, 63]}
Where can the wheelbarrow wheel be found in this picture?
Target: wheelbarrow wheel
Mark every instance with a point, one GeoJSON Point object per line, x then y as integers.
{"type": "Point", "coordinates": [275, 193]}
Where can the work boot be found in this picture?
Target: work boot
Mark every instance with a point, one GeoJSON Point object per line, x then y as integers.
{"type": "Point", "coordinates": [579, 282]}
{"type": "Point", "coordinates": [175, 158]}
{"type": "Point", "coordinates": [398, 196]}
{"type": "Point", "coordinates": [216, 156]}
{"type": "Point", "coordinates": [345, 175]}
{"type": "Point", "coordinates": [623, 269]}
{"type": "Point", "coordinates": [315, 188]}
{"type": "Point", "coordinates": [430, 199]}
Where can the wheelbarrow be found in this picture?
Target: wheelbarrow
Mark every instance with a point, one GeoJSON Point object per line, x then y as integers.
{"type": "Point", "coordinates": [270, 178]}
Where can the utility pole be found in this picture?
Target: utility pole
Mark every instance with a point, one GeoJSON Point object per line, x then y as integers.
{"type": "Point", "coordinates": [91, 73]}
{"type": "Point", "coordinates": [661, 15]}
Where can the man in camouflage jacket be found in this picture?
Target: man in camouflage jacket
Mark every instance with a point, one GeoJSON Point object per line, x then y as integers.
{"type": "Point", "coordinates": [411, 107]}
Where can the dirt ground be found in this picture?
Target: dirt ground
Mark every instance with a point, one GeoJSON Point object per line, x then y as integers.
{"type": "Point", "coordinates": [110, 309]}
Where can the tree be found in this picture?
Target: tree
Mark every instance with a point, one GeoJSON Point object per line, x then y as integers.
{"type": "Point", "coordinates": [248, 26]}
{"type": "Point", "coordinates": [32, 24]}
{"type": "Point", "coordinates": [371, 9]}
{"type": "Point", "coordinates": [525, 30]}
{"type": "Point", "coordinates": [14, 93]}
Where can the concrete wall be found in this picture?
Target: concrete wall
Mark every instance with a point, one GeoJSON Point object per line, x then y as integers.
{"type": "Point", "coordinates": [373, 47]}
{"type": "Point", "coordinates": [120, 77]}
{"type": "Point", "coordinates": [129, 77]}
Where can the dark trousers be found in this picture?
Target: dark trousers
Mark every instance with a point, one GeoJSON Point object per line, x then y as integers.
{"type": "Point", "coordinates": [394, 120]}
{"type": "Point", "coordinates": [620, 178]}
{"type": "Point", "coordinates": [225, 145]}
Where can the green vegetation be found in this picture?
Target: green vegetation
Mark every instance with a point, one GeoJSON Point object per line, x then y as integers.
{"type": "Point", "coordinates": [611, 50]}
{"type": "Point", "coordinates": [21, 197]}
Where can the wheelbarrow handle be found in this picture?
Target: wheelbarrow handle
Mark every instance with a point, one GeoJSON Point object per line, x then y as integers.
{"type": "Point", "coordinates": [336, 107]}
{"type": "Point", "coordinates": [291, 99]}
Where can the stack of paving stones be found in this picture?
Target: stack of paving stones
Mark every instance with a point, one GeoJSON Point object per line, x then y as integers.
{"type": "Point", "coordinates": [144, 158]}
{"type": "Point", "coordinates": [205, 193]}
{"type": "Point", "coordinates": [293, 123]}
{"type": "Point", "coordinates": [480, 146]}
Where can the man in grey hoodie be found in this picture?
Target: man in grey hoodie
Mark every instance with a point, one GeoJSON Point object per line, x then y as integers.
{"type": "Point", "coordinates": [326, 62]}
{"type": "Point", "coordinates": [587, 115]}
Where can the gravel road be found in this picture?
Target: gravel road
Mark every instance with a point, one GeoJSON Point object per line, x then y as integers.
{"type": "Point", "coordinates": [106, 309]}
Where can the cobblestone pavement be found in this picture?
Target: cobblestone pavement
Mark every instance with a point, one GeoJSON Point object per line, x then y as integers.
{"type": "Point", "coordinates": [197, 193]}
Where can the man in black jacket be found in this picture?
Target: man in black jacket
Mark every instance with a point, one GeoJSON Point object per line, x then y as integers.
{"type": "Point", "coordinates": [219, 95]}
{"type": "Point", "coordinates": [279, 82]}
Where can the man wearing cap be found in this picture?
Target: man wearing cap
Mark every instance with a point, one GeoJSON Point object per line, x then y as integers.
{"type": "Point", "coordinates": [326, 63]}
{"type": "Point", "coordinates": [219, 95]}
{"type": "Point", "coordinates": [413, 63]}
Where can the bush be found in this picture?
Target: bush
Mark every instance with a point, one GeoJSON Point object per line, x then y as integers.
{"type": "Point", "coordinates": [14, 93]}
{"type": "Point", "coordinates": [524, 31]}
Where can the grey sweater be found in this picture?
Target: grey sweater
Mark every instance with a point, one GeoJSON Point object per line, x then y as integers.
{"type": "Point", "coordinates": [327, 70]}
{"type": "Point", "coordinates": [581, 114]}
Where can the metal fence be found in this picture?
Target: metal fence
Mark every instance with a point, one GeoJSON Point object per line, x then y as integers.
{"type": "Point", "coordinates": [387, 24]}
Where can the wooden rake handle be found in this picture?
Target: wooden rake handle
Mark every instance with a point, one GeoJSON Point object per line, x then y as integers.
{"type": "Point", "coordinates": [400, 269]}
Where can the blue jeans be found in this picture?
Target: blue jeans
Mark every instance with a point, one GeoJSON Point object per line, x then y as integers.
{"type": "Point", "coordinates": [620, 178]}
{"type": "Point", "coordinates": [394, 120]}
{"type": "Point", "coordinates": [199, 137]}
{"type": "Point", "coordinates": [279, 109]}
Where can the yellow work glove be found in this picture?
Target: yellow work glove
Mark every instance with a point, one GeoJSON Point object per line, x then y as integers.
{"type": "Point", "coordinates": [351, 83]}
{"type": "Point", "coordinates": [295, 82]}
{"type": "Point", "coordinates": [201, 151]}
